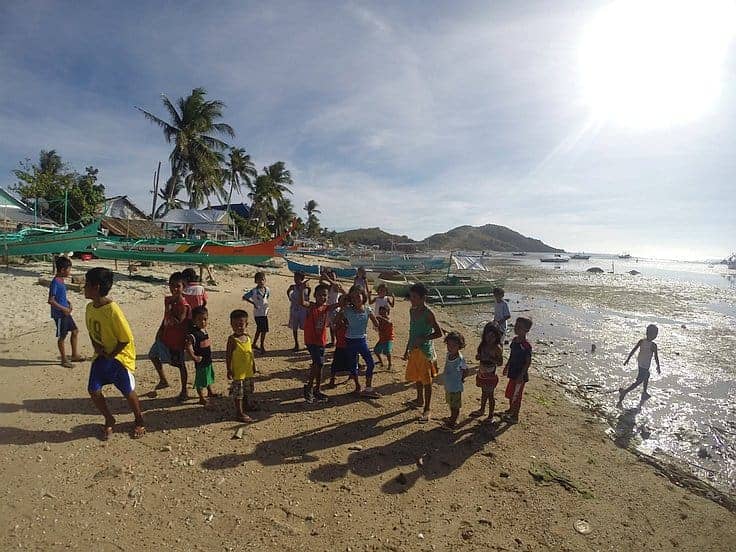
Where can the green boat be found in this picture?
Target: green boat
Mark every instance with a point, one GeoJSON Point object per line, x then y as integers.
{"type": "Point", "coordinates": [448, 289]}
{"type": "Point", "coordinates": [39, 241]}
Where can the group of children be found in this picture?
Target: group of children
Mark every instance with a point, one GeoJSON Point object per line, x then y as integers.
{"type": "Point", "coordinates": [344, 315]}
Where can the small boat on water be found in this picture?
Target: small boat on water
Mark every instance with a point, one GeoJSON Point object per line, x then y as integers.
{"type": "Point", "coordinates": [40, 241]}
{"type": "Point", "coordinates": [316, 270]}
{"type": "Point", "coordinates": [557, 258]}
{"type": "Point", "coordinates": [580, 257]}
{"type": "Point", "coordinates": [405, 263]}
{"type": "Point", "coordinates": [448, 289]}
{"type": "Point", "coordinates": [624, 255]}
{"type": "Point", "coordinates": [519, 253]}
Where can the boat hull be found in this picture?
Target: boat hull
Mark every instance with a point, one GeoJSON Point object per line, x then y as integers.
{"type": "Point", "coordinates": [48, 243]}
{"type": "Point", "coordinates": [316, 270]}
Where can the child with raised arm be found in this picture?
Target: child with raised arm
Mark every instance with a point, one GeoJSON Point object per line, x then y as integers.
{"type": "Point", "coordinates": [501, 313]}
{"type": "Point", "coordinates": [385, 345]}
{"type": "Point", "coordinates": [421, 367]}
{"type": "Point", "coordinates": [297, 293]}
{"type": "Point", "coordinates": [356, 313]}
{"type": "Point", "coordinates": [329, 278]}
{"type": "Point", "coordinates": [490, 355]}
{"type": "Point", "coordinates": [647, 349]}
{"type": "Point", "coordinates": [454, 375]}
{"type": "Point", "coordinates": [168, 348]}
{"type": "Point", "coordinates": [517, 368]}
{"type": "Point", "coordinates": [383, 298]}
{"type": "Point", "coordinates": [361, 280]}
{"type": "Point", "coordinates": [112, 340]}
{"type": "Point", "coordinates": [315, 338]}
{"type": "Point", "coordinates": [199, 350]}
{"type": "Point", "coordinates": [194, 293]}
{"type": "Point", "coordinates": [258, 297]}
{"type": "Point", "coordinates": [61, 313]}
{"type": "Point", "coordinates": [240, 364]}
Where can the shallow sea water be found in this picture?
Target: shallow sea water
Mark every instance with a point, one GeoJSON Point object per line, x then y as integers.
{"type": "Point", "coordinates": [691, 417]}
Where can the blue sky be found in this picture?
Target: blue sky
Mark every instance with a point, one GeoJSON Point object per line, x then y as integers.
{"type": "Point", "coordinates": [416, 116]}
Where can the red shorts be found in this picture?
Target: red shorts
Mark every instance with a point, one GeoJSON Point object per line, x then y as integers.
{"type": "Point", "coordinates": [486, 380]}
{"type": "Point", "coordinates": [514, 387]}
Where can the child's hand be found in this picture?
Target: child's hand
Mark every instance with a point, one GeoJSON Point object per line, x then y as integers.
{"type": "Point", "coordinates": [229, 374]}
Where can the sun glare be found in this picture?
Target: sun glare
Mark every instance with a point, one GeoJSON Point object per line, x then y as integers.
{"type": "Point", "coordinates": [656, 63]}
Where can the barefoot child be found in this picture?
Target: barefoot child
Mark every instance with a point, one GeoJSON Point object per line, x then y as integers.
{"type": "Point", "coordinates": [315, 338]}
{"type": "Point", "coordinates": [454, 375]}
{"type": "Point", "coordinates": [517, 368]}
{"type": "Point", "coordinates": [199, 350]}
{"type": "Point", "coordinates": [490, 355]}
{"type": "Point", "coordinates": [258, 297]}
{"type": "Point", "coordinates": [385, 343]}
{"type": "Point", "coordinates": [61, 312]}
{"type": "Point", "coordinates": [421, 367]}
{"type": "Point", "coordinates": [647, 349]}
{"type": "Point", "coordinates": [169, 345]}
{"type": "Point", "coordinates": [501, 311]}
{"type": "Point", "coordinates": [241, 365]}
{"type": "Point", "coordinates": [297, 292]}
{"type": "Point", "coordinates": [383, 298]}
{"type": "Point", "coordinates": [112, 340]}
{"type": "Point", "coordinates": [341, 357]}
{"type": "Point", "coordinates": [194, 293]}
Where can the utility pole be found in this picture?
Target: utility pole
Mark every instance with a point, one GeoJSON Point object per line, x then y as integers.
{"type": "Point", "coordinates": [155, 189]}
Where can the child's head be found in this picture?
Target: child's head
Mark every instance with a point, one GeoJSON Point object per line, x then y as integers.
{"type": "Point", "coordinates": [382, 290]}
{"type": "Point", "coordinates": [320, 294]}
{"type": "Point", "coordinates": [454, 341]}
{"type": "Point", "coordinates": [652, 332]}
{"type": "Point", "coordinates": [199, 317]}
{"type": "Point", "coordinates": [260, 278]}
{"type": "Point", "coordinates": [417, 295]}
{"type": "Point", "coordinates": [298, 277]}
{"type": "Point", "coordinates": [97, 283]}
{"type": "Point", "coordinates": [492, 335]}
{"type": "Point", "coordinates": [63, 265]}
{"type": "Point", "coordinates": [189, 275]}
{"type": "Point", "coordinates": [177, 282]}
{"type": "Point", "coordinates": [238, 321]}
{"type": "Point", "coordinates": [384, 311]}
{"type": "Point", "coordinates": [357, 296]}
{"type": "Point", "coordinates": [522, 326]}
{"type": "Point", "coordinates": [361, 272]}
{"type": "Point", "coordinates": [498, 294]}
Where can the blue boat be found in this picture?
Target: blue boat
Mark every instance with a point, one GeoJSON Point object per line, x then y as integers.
{"type": "Point", "coordinates": [316, 270]}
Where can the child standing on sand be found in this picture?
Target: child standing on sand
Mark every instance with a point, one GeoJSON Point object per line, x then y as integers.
{"type": "Point", "coordinates": [385, 345]}
{"type": "Point", "coordinates": [61, 313]}
{"type": "Point", "coordinates": [501, 311]}
{"type": "Point", "coordinates": [454, 375]}
{"type": "Point", "coordinates": [194, 293]}
{"type": "Point", "coordinates": [333, 297]}
{"type": "Point", "coordinates": [341, 357]}
{"type": "Point", "coordinates": [168, 348]}
{"type": "Point", "coordinates": [421, 367]}
{"type": "Point", "coordinates": [647, 349]}
{"type": "Point", "coordinates": [517, 368]}
{"type": "Point", "coordinates": [297, 293]}
{"type": "Point", "coordinates": [383, 298]}
{"type": "Point", "coordinates": [199, 350]}
{"type": "Point", "coordinates": [361, 280]}
{"type": "Point", "coordinates": [258, 297]}
{"type": "Point", "coordinates": [490, 355]}
{"type": "Point", "coordinates": [240, 364]}
{"type": "Point", "coordinates": [112, 340]}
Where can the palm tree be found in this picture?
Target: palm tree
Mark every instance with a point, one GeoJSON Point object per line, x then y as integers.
{"type": "Point", "coordinates": [312, 221]}
{"type": "Point", "coordinates": [49, 162]}
{"type": "Point", "coordinates": [196, 157]}
{"type": "Point", "coordinates": [284, 216]}
{"type": "Point", "coordinates": [238, 170]}
{"type": "Point", "coordinates": [267, 190]}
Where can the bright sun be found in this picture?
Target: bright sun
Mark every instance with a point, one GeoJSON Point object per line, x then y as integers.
{"type": "Point", "coordinates": [656, 63]}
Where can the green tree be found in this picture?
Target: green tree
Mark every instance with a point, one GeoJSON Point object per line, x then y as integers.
{"type": "Point", "coordinates": [239, 170]}
{"type": "Point", "coordinates": [196, 158]}
{"type": "Point", "coordinates": [70, 196]}
{"type": "Point", "coordinates": [284, 216]}
{"type": "Point", "coordinates": [313, 229]}
{"type": "Point", "coordinates": [267, 190]}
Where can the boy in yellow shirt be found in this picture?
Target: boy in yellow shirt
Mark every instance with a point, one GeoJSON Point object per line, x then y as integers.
{"type": "Point", "coordinates": [240, 363]}
{"type": "Point", "coordinates": [114, 361]}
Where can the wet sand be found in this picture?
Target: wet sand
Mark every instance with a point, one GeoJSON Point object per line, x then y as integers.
{"type": "Point", "coordinates": [351, 475]}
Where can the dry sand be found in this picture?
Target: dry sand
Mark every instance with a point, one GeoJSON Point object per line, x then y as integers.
{"type": "Point", "coordinates": [350, 475]}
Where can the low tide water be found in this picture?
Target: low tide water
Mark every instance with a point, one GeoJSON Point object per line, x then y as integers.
{"type": "Point", "coordinates": [691, 417]}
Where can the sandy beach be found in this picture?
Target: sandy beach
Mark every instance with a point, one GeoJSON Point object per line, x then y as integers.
{"type": "Point", "coordinates": [348, 475]}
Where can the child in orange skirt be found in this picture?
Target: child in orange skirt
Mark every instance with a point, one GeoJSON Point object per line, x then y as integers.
{"type": "Point", "coordinates": [490, 355]}
{"type": "Point", "coordinates": [421, 367]}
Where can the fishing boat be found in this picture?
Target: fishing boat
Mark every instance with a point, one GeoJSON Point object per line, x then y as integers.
{"type": "Point", "coordinates": [41, 241]}
{"type": "Point", "coordinates": [624, 255]}
{"type": "Point", "coordinates": [580, 257]}
{"type": "Point", "coordinates": [519, 253]}
{"type": "Point", "coordinates": [410, 263]}
{"type": "Point", "coordinates": [557, 258]}
{"type": "Point", "coordinates": [731, 262]}
{"type": "Point", "coordinates": [447, 289]}
{"type": "Point", "coordinates": [316, 270]}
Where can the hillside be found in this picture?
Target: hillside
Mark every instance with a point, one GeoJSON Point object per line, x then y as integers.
{"type": "Point", "coordinates": [490, 237]}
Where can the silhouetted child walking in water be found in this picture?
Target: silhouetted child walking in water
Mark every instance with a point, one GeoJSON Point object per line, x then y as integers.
{"type": "Point", "coordinates": [297, 293]}
{"type": "Point", "coordinates": [240, 364]}
{"type": "Point", "coordinates": [517, 368]}
{"type": "Point", "coordinates": [490, 355]}
{"type": "Point", "coordinates": [647, 349]}
{"type": "Point", "coordinates": [421, 367]}
{"type": "Point", "coordinates": [454, 375]}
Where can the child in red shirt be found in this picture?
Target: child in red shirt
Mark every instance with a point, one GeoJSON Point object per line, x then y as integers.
{"type": "Point", "coordinates": [517, 368]}
{"type": "Point", "coordinates": [385, 343]}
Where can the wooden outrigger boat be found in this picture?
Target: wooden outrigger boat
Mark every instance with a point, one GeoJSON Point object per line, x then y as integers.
{"type": "Point", "coordinates": [316, 270]}
{"type": "Point", "coordinates": [447, 290]}
{"type": "Point", "coordinates": [39, 241]}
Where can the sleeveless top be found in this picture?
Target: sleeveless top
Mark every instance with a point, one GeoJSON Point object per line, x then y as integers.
{"type": "Point", "coordinates": [490, 358]}
{"type": "Point", "coordinates": [420, 328]}
{"type": "Point", "coordinates": [646, 350]}
{"type": "Point", "coordinates": [241, 363]}
{"type": "Point", "coordinates": [357, 321]}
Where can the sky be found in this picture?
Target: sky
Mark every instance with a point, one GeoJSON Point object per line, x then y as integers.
{"type": "Point", "coordinates": [415, 116]}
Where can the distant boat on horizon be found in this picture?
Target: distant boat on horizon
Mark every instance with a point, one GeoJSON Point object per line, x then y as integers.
{"type": "Point", "coordinates": [580, 256]}
{"type": "Point", "coordinates": [556, 259]}
{"type": "Point", "coordinates": [625, 255]}
{"type": "Point", "coordinates": [519, 253]}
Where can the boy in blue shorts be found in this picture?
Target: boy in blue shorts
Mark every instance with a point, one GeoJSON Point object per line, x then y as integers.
{"type": "Point", "coordinates": [114, 361]}
{"type": "Point", "coordinates": [61, 312]}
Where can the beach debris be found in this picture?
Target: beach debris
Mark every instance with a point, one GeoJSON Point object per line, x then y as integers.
{"type": "Point", "coordinates": [544, 474]}
{"type": "Point", "coordinates": [355, 447]}
{"type": "Point", "coordinates": [239, 433]}
{"type": "Point", "coordinates": [108, 473]}
{"type": "Point", "coordinates": [592, 348]}
{"type": "Point", "coordinates": [421, 535]}
{"type": "Point", "coordinates": [401, 479]}
{"type": "Point", "coordinates": [468, 534]}
{"type": "Point", "coordinates": [595, 270]}
{"type": "Point", "coordinates": [505, 475]}
{"type": "Point", "coordinates": [166, 448]}
{"type": "Point", "coordinates": [582, 527]}
{"type": "Point", "coordinates": [634, 272]}
{"type": "Point", "coordinates": [209, 515]}
{"type": "Point", "coordinates": [48, 495]}
{"type": "Point", "coordinates": [704, 453]}
{"type": "Point", "coordinates": [683, 327]}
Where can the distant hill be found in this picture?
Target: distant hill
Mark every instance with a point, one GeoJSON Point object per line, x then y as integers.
{"type": "Point", "coordinates": [490, 237]}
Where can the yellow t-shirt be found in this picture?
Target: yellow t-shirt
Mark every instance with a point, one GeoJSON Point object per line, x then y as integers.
{"type": "Point", "coordinates": [242, 362]}
{"type": "Point", "coordinates": [108, 327]}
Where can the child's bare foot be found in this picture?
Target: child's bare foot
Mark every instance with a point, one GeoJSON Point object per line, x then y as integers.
{"type": "Point", "coordinates": [66, 363]}
{"type": "Point", "coordinates": [79, 358]}
{"type": "Point", "coordinates": [107, 429]}
{"type": "Point", "coordinates": [477, 413]}
{"type": "Point", "coordinates": [245, 419]}
{"type": "Point", "coordinates": [139, 430]}
{"type": "Point", "coordinates": [183, 396]}
{"type": "Point", "coordinates": [425, 417]}
{"type": "Point", "coordinates": [416, 403]}
{"type": "Point", "coordinates": [163, 384]}
{"type": "Point", "coordinates": [203, 402]}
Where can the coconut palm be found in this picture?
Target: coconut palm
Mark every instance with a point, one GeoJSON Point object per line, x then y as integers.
{"type": "Point", "coordinates": [239, 170]}
{"type": "Point", "coordinates": [267, 190]}
{"type": "Point", "coordinates": [312, 221]}
{"type": "Point", "coordinates": [284, 216]}
{"type": "Point", "coordinates": [196, 157]}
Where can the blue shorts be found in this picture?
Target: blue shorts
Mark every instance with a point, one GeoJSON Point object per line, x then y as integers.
{"type": "Point", "coordinates": [317, 352]}
{"type": "Point", "coordinates": [106, 371]}
{"type": "Point", "coordinates": [64, 325]}
{"type": "Point", "coordinates": [384, 348]}
{"type": "Point", "coordinates": [166, 355]}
